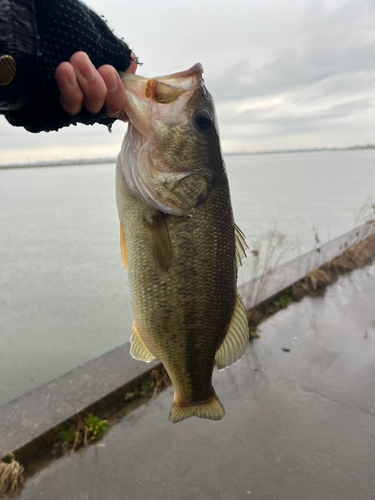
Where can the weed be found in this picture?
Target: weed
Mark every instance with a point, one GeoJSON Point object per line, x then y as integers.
{"type": "Point", "coordinates": [69, 435]}
{"type": "Point", "coordinates": [283, 301]}
{"type": "Point", "coordinates": [97, 427]}
{"type": "Point", "coordinates": [90, 429]}
{"type": "Point", "coordinates": [156, 382]}
{"type": "Point", "coordinates": [253, 333]}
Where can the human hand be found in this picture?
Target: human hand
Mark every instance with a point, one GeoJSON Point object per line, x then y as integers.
{"type": "Point", "coordinates": [81, 84]}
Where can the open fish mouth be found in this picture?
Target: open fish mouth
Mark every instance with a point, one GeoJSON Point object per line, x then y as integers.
{"type": "Point", "coordinates": [186, 80]}
{"type": "Point", "coordinates": [147, 97]}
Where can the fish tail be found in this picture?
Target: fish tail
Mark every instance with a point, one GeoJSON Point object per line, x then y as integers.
{"type": "Point", "coordinates": [212, 409]}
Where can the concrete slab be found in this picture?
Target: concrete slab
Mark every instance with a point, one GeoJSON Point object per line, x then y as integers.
{"type": "Point", "coordinates": [299, 423]}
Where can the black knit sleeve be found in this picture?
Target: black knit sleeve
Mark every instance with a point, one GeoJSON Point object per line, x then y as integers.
{"type": "Point", "coordinates": [63, 28]}
{"type": "Point", "coordinates": [18, 52]}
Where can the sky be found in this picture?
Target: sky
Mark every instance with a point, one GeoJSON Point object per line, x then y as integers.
{"type": "Point", "coordinates": [284, 74]}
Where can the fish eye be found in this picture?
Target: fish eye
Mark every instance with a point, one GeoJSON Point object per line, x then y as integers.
{"type": "Point", "coordinates": [203, 120]}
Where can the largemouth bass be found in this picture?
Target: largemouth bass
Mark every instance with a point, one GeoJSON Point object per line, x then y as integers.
{"type": "Point", "coordinates": [178, 240]}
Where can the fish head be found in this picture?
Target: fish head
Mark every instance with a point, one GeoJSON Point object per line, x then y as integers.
{"type": "Point", "coordinates": [172, 156]}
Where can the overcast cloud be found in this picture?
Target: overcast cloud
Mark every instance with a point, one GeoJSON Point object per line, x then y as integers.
{"type": "Point", "coordinates": [285, 74]}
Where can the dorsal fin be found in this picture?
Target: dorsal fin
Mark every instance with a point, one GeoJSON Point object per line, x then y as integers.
{"type": "Point", "coordinates": [241, 245]}
{"type": "Point", "coordinates": [124, 255]}
{"type": "Point", "coordinates": [158, 236]}
{"type": "Point", "coordinates": [138, 350]}
{"type": "Point", "coordinates": [236, 339]}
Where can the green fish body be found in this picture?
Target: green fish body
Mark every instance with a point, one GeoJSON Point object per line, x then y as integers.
{"type": "Point", "coordinates": [179, 242]}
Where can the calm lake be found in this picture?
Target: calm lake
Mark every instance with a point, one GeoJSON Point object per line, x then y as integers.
{"type": "Point", "coordinates": [63, 294]}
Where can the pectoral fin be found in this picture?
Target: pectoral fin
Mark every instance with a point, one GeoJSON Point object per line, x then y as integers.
{"type": "Point", "coordinates": [158, 236]}
{"type": "Point", "coordinates": [124, 256]}
{"type": "Point", "coordinates": [241, 245]}
{"type": "Point", "coordinates": [138, 350]}
{"type": "Point", "coordinates": [235, 341]}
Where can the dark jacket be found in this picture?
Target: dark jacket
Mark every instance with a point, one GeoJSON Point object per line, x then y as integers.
{"type": "Point", "coordinates": [35, 37]}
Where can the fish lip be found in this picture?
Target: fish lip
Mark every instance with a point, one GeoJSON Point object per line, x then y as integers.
{"type": "Point", "coordinates": [191, 71]}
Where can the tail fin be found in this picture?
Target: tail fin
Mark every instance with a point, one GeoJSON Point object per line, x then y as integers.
{"type": "Point", "coordinates": [213, 410]}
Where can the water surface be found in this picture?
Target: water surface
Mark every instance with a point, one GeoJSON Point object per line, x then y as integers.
{"type": "Point", "coordinates": [63, 294]}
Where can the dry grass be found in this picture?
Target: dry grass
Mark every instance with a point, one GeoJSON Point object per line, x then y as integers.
{"type": "Point", "coordinates": [11, 478]}
{"type": "Point", "coordinates": [315, 282]}
{"type": "Point", "coordinates": [366, 213]}
{"type": "Point", "coordinates": [266, 253]}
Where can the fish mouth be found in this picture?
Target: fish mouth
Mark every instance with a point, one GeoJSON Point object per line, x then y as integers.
{"type": "Point", "coordinates": [146, 98]}
{"type": "Point", "coordinates": [141, 92]}
{"type": "Point", "coordinates": [196, 68]}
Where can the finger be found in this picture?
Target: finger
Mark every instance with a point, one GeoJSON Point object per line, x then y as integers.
{"type": "Point", "coordinates": [91, 83]}
{"type": "Point", "coordinates": [71, 95]}
{"type": "Point", "coordinates": [116, 97]}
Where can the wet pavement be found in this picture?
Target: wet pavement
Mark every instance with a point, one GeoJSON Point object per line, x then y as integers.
{"type": "Point", "coordinates": [300, 420]}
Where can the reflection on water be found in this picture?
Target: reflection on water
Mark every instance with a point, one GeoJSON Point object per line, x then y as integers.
{"type": "Point", "coordinates": [63, 295]}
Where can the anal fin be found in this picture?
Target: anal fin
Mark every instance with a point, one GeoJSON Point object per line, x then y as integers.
{"type": "Point", "coordinates": [158, 236]}
{"type": "Point", "coordinates": [212, 409]}
{"type": "Point", "coordinates": [241, 245]}
{"type": "Point", "coordinates": [138, 350]}
{"type": "Point", "coordinates": [124, 255]}
{"type": "Point", "coordinates": [236, 339]}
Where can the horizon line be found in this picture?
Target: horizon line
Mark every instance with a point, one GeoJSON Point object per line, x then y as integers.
{"type": "Point", "coordinates": [90, 161]}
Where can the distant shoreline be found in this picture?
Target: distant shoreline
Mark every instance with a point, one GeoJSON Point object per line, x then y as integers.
{"type": "Point", "coordinates": [312, 150]}
{"type": "Point", "coordinates": [59, 163]}
{"type": "Point", "coordinates": [98, 161]}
